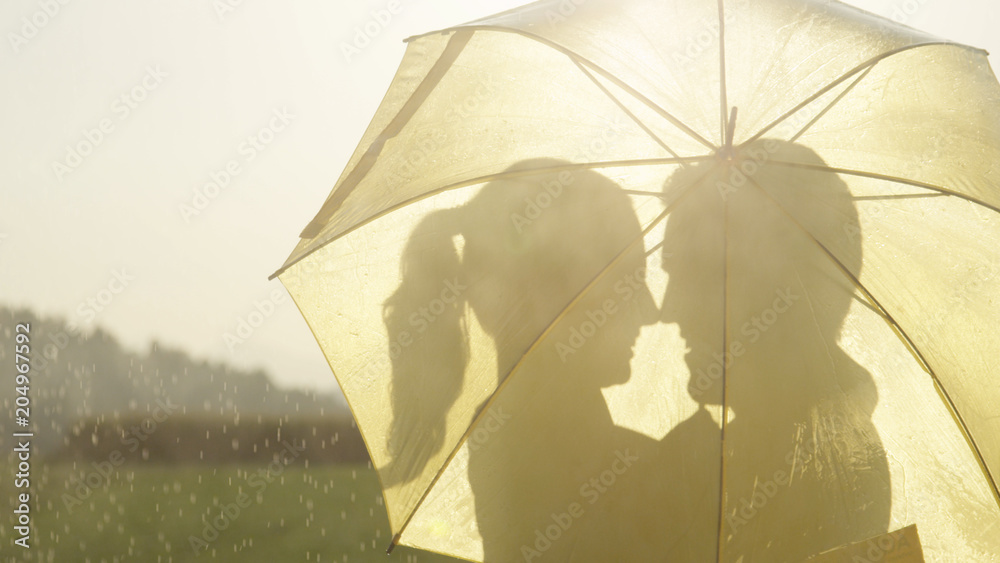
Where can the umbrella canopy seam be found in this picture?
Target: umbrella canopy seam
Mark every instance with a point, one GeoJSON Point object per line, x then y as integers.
{"type": "Point", "coordinates": [887, 178]}
{"type": "Point", "coordinates": [627, 111]}
{"type": "Point", "coordinates": [724, 418]}
{"type": "Point", "coordinates": [830, 106]}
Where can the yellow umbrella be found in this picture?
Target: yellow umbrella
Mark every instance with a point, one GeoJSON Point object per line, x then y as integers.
{"type": "Point", "coordinates": [648, 280]}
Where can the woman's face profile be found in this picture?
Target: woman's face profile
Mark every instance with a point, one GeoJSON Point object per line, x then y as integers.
{"type": "Point", "coordinates": [600, 334]}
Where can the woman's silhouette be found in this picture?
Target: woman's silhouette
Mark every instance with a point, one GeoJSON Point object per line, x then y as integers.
{"type": "Point", "coordinates": [552, 268]}
{"type": "Point", "coordinates": [760, 257]}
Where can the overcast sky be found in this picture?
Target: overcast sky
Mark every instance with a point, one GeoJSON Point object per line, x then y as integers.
{"type": "Point", "coordinates": [258, 95]}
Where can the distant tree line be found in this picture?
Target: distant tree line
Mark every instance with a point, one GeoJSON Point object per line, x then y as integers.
{"type": "Point", "coordinates": [90, 397]}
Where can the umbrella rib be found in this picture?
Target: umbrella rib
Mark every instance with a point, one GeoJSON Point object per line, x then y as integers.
{"type": "Point", "coordinates": [728, 131]}
{"type": "Point", "coordinates": [627, 111]}
{"type": "Point", "coordinates": [685, 191]}
{"type": "Point", "coordinates": [832, 103]}
{"type": "Point", "coordinates": [723, 93]}
{"type": "Point", "coordinates": [659, 195]}
{"type": "Point", "coordinates": [724, 418]}
{"type": "Point", "coordinates": [502, 176]}
{"type": "Point", "coordinates": [869, 64]}
{"type": "Point", "coordinates": [876, 176]}
{"type": "Point", "coordinates": [904, 338]}
{"type": "Point", "coordinates": [597, 68]}
{"type": "Point", "coordinates": [639, 96]}
{"type": "Point", "coordinates": [892, 197]}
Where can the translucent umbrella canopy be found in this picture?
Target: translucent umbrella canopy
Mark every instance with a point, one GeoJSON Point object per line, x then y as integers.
{"type": "Point", "coordinates": [699, 280]}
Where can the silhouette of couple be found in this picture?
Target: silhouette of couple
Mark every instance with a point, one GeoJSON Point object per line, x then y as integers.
{"type": "Point", "coordinates": [551, 262]}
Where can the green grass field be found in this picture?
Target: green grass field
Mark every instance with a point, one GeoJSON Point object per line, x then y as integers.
{"type": "Point", "coordinates": [144, 512]}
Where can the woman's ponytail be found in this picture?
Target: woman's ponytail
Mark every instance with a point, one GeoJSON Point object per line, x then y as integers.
{"type": "Point", "coordinates": [428, 344]}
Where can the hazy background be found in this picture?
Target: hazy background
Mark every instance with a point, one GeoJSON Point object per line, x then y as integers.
{"type": "Point", "coordinates": [215, 72]}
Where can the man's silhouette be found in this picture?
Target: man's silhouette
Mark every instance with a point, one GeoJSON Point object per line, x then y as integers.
{"type": "Point", "coordinates": [760, 258]}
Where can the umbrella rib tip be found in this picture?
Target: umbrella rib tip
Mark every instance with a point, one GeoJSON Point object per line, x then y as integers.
{"type": "Point", "coordinates": [392, 544]}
